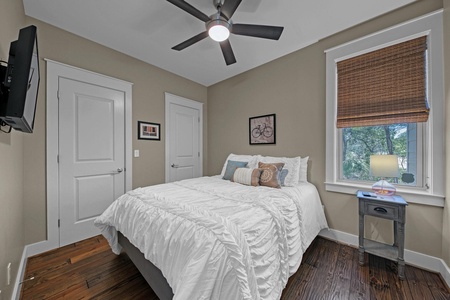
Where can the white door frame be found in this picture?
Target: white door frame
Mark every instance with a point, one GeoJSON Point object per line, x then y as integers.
{"type": "Point", "coordinates": [174, 99]}
{"type": "Point", "coordinates": [55, 70]}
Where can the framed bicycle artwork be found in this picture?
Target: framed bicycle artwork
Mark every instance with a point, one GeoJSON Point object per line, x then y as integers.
{"type": "Point", "coordinates": [262, 130]}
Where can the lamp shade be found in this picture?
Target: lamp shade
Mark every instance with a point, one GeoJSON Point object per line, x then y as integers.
{"type": "Point", "coordinates": [384, 165]}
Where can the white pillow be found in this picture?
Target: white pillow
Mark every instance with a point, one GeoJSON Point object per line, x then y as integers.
{"type": "Point", "coordinates": [251, 159]}
{"type": "Point", "coordinates": [303, 169]}
{"type": "Point", "coordinates": [292, 164]}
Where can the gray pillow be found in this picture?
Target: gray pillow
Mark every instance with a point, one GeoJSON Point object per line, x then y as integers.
{"type": "Point", "coordinates": [232, 165]}
{"type": "Point", "coordinates": [282, 176]}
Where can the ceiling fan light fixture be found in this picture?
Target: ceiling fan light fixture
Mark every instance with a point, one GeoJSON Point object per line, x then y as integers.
{"type": "Point", "coordinates": [218, 29]}
{"type": "Point", "coordinates": [219, 33]}
{"type": "Point", "coordinates": [219, 26]}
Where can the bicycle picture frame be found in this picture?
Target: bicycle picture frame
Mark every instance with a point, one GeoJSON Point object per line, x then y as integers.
{"type": "Point", "coordinates": [262, 130]}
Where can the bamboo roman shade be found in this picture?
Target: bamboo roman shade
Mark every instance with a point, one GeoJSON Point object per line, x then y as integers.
{"type": "Point", "coordinates": [385, 86]}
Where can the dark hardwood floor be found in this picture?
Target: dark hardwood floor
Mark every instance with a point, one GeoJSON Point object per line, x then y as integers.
{"type": "Point", "coordinates": [329, 270]}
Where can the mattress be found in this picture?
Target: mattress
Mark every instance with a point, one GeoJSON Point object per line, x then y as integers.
{"type": "Point", "coordinates": [216, 239]}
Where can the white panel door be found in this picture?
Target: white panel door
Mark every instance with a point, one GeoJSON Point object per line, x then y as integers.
{"type": "Point", "coordinates": [184, 142]}
{"type": "Point", "coordinates": [91, 155]}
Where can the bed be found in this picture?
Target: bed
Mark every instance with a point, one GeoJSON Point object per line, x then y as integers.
{"type": "Point", "coordinates": [210, 238]}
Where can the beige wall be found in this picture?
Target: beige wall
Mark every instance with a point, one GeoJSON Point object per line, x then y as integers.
{"type": "Point", "coordinates": [11, 162]}
{"type": "Point", "coordinates": [293, 87]}
{"type": "Point", "coordinates": [22, 156]}
{"type": "Point", "coordinates": [446, 223]}
{"type": "Point", "coordinates": [149, 85]}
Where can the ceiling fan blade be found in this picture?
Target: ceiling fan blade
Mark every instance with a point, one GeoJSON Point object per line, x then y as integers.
{"type": "Point", "coordinates": [259, 31]}
{"type": "Point", "coordinates": [191, 41]}
{"type": "Point", "coordinates": [190, 9]}
{"type": "Point", "coordinates": [227, 52]}
{"type": "Point", "coordinates": [229, 7]}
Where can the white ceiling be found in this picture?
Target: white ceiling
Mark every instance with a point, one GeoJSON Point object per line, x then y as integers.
{"type": "Point", "coordinates": [148, 29]}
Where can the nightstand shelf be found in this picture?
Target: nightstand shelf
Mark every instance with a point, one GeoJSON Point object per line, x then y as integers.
{"type": "Point", "coordinates": [386, 207]}
{"type": "Point", "coordinates": [381, 249]}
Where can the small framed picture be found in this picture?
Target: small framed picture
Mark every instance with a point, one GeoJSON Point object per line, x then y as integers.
{"type": "Point", "coordinates": [262, 130]}
{"type": "Point", "coordinates": [148, 131]}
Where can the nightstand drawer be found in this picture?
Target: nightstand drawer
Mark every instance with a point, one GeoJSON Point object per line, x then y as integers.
{"type": "Point", "coordinates": [382, 211]}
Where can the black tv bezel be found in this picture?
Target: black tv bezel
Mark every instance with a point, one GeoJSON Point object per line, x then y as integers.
{"type": "Point", "coordinates": [17, 79]}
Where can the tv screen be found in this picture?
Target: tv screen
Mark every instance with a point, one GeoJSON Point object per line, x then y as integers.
{"type": "Point", "coordinates": [21, 83]}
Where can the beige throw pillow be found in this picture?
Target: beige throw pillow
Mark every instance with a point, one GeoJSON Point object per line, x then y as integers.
{"type": "Point", "coordinates": [247, 176]}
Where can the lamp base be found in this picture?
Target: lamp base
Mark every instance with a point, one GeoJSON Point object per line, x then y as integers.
{"type": "Point", "coordinates": [383, 188]}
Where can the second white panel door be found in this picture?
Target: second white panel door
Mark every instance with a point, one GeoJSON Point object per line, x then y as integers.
{"type": "Point", "coordinates": [184, 152]}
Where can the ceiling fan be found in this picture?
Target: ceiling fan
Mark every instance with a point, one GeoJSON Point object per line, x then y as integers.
{"type": "Point", "coordinates": [219, 26]}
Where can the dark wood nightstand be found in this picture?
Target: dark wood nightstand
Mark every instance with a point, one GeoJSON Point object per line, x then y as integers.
{"type": "Point", "coordinates": [386, 207]}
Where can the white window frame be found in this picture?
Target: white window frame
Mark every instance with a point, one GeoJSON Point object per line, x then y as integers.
{"type": "Point", "coordinates": [430, 25]}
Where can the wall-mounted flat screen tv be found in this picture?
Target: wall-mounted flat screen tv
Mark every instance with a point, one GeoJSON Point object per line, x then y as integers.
{"type": "Point", "coordinates": [20, 83]}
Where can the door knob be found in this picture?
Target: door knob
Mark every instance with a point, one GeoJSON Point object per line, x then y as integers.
{"type": "Point", "coordinates": [174, 166]}
{"type": "Point", "coordinates": [118, 171]}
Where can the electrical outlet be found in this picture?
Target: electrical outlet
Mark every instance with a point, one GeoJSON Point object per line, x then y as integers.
{"type": "Point", "coordinates": [8, 274]}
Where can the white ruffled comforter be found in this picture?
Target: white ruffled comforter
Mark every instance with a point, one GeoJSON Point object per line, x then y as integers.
{"type": "Point", "coordinates": [215, 239]}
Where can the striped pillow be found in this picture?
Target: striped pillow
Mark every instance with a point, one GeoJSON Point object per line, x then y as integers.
{"type": "Point", "coordinates": [247, 176]}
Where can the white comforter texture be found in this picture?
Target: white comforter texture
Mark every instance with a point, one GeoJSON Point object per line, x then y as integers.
{"type": "Point", "coordinates": [216, 239]}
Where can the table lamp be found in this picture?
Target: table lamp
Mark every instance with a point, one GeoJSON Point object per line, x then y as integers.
{"type": "Point", "coordinates": [384, 166]}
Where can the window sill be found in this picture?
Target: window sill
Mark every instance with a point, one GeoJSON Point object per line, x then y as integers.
{"type": "Point", "coordinates": [411, 196]}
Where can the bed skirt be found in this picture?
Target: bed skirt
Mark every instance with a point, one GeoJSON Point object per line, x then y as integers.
{"type": "Point", "coordinates": [149, 271]}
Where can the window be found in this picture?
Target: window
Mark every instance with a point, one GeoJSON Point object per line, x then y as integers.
{"type": "Point", "coordinates": [418, 145]}
{"type": "Point", "coordinates": [401, 139]}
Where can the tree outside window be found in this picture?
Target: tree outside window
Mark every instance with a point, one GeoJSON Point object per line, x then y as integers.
{"type": "Point", "coordinates": [358, 143]}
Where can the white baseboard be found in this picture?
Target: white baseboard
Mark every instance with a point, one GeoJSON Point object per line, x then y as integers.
{"type": "Point", "coordinates": [445, 272]}
{"type": "Point", "coordinates": [417, 259]}
{"type": "Point", "coordinates": [28, 250]}
{"type": "Point", "coordinates": [20, 273]}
